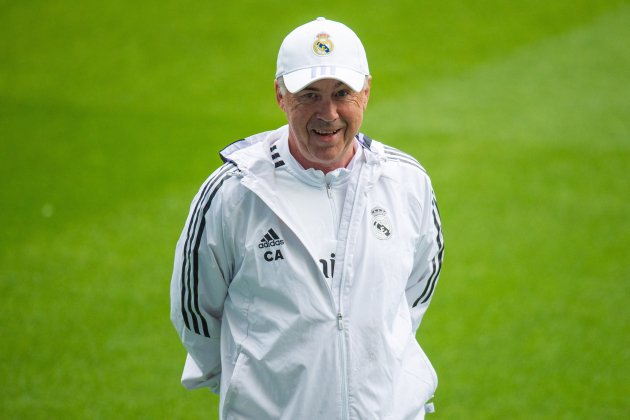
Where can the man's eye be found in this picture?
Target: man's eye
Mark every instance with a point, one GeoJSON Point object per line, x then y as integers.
{"type": "Point", "coordinates": [343, 93]}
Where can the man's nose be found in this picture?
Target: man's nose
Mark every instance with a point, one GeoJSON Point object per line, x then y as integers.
{"type": "Point", "coordinates": [328, 110]}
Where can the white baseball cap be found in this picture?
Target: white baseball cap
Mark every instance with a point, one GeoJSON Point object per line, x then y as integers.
{"type": "Point", "coordinates": [322, 49]}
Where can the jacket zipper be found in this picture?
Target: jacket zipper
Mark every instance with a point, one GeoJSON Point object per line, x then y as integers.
{"type": "Point", "coordinates": [331, 202]}
{"type": "Point", "coordinates": [340, 326]}
{"type": "Point", "coordinates": [344, 382]}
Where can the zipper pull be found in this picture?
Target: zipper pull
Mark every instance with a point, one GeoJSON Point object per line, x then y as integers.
{"type": "Point", "coordinates": [340, 321]}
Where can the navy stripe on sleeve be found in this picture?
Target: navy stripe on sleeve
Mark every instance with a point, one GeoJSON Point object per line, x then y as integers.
{"type": "Point", "coordinates": [190, 265]}
{"type": "Point", "coordinates": [436, 263]}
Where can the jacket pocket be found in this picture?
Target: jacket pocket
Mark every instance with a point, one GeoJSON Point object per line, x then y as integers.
{"type": "Point", "coordinates": [429, 368]}
{"type": "Point", "coordinates": [234, 388]}
{"type": "Point", "coordinates": [419, 370]}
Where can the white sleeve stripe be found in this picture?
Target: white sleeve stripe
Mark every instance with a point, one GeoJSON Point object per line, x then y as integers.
{"type": "Point", "coordinates": [190, 263]}
{"type": "Point", "coordinates": [403, 157]}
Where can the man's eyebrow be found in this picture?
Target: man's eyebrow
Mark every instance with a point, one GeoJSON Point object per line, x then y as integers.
{"type": "Point", "coordinates": [341, 84]}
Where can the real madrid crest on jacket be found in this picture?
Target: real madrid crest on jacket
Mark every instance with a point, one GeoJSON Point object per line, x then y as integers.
{"type": "Point", "coordinates": [381, 224]}
{"type": "Point", "coordinates": [250, 281]}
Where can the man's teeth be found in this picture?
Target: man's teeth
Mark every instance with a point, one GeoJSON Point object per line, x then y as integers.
{"type": "Point", "coordinates": [326, 133]}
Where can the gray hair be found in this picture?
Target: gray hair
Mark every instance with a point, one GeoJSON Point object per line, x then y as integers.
{"type": "Point", "coordinates": [283, 88]}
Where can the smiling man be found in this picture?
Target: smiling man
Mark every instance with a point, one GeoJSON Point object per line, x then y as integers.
{"type": "Point", "coordinates": [324, 119]}
{"type": "Point", "coordinates": [309, 259]}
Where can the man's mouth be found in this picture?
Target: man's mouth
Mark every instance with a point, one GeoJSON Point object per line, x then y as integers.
{"type": "Point", "coordinates": [326, 132]}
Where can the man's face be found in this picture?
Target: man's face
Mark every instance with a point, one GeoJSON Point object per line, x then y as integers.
{"type": "Point", "coordinates": [323, 119]}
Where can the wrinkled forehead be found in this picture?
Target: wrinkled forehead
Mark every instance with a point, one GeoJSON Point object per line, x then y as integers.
{"type": "Point", "coordinates": [324, 84]}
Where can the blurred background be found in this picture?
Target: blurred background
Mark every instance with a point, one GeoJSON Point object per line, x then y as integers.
{"type": "Point", "coordinates": [111, 116]}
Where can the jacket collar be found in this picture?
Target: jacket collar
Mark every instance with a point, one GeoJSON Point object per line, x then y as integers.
{"type": "Point", "coordinates": [254, 150]}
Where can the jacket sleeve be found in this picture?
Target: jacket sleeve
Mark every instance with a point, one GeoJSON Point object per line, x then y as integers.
{"type": "Point", "coordinates": [428, 256]}
{"type": "Point", "coordinates": [199, 286]}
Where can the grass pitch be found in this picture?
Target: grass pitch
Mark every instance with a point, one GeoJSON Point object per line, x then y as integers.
{"type": "Point", "coordinates": [111, 116]}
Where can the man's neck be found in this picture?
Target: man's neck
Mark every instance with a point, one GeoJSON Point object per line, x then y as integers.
{"type": "Point", "coordinates": [343, 162]}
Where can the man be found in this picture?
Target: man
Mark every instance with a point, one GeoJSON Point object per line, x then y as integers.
{"type": "Point", "coordinates": [310, 257]}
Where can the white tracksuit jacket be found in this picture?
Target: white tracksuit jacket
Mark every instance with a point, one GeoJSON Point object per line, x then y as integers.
{"type": "Point", "coordinates": [264, 327]}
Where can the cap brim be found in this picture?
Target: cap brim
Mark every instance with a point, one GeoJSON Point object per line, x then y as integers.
{"type": "Point", "coordinates": [297, 80]}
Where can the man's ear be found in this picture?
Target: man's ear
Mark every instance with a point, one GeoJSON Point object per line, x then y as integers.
{"type": "Point", "coordinates": [366, 92]}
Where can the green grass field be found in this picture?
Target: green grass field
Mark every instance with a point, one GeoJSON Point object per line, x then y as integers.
{"type": "Point", "coordinates": [111, 115]}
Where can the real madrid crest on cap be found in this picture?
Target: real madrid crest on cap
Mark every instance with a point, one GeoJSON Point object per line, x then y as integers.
{"type": "Point", "coordinates": [381, 225]}
{"type": "Point", "coordinates": [323, 46]}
